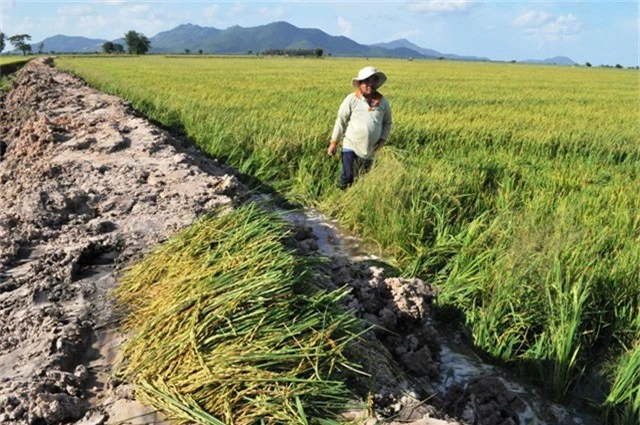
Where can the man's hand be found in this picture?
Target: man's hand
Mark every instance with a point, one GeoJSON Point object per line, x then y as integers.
{"type": "Point", "coordinates": [332, 148]}
{"type": "Point", "coordinates": [379, 144]}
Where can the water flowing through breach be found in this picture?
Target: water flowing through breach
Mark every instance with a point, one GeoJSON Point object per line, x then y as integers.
{"type": "Point", "coordinates": [462, 374]}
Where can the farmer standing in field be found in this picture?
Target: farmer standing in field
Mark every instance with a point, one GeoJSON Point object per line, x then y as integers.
{"type": "Point", "coordinates": [363, 124]}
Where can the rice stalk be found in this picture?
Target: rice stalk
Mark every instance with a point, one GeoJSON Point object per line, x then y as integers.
{"type": "Point", "coordinates": [623, 400]}
{"type": "Point", "coordinates": [233, 331]}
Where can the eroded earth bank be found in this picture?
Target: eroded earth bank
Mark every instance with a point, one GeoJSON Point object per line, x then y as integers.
{"type": "Point", "coordinates": [87, 186]}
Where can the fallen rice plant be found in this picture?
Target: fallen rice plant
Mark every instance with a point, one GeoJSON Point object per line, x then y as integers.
{"type": "Point", "coordinates": [226, 328]}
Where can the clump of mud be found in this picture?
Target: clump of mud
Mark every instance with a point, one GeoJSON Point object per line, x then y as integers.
{"type": "Point", "coordinates": [400, 354]}
{"type": "Point", "coordinates": [86, 187]}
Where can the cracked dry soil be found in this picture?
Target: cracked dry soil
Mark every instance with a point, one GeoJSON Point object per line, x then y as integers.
{"type": "Point", "coordinates": [87, 186]}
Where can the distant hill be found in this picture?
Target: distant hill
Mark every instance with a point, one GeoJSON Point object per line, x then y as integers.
{"type": "Point", "coordinates": [406, 44]}
{"type": "Point", "coordinates": [430, 53]}
{"type": "Point", "coordinates": [182, 37]}
{"type": "Point", "coordinates": [67, 44]}
{"type": "Point", "coordinates": [557, 60]}
{"type": "Point", "coordinates": [276, 35]}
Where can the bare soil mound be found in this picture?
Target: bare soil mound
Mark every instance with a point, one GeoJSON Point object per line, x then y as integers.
{"type": "Point", "coordinates": [86, 187]}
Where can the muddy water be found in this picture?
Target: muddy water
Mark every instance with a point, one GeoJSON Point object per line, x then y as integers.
{"type": "Point", "coordinates": [459, 363]}
{"type": "Point", "coordinates": [332, 241]}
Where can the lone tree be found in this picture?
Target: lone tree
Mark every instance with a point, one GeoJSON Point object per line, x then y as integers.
{"type": "Point", "coordinates": [107, 47]}
{"type": "Point", "coordinates": [137, 43]}
{"type": "Point", "coordinates": [19, 41]}
{"type": "Point", "coordinates": [319, 52]}
{"type": "Point", "coordinates": [110, 47]}
{"type": "Point", "coordinates": [1, 41]}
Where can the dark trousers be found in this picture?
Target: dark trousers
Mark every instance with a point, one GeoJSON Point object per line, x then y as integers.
{"type": "Point", "coordinates": [352, 167]}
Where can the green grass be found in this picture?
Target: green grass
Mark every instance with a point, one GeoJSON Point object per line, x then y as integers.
{"type": "Point", "coordinates": [5, 84]}
{"type": "Point", "coordinates": [623, 401]}
{"type": "Point", "coordinates": [9, 59]}
{"type": "Point", "coordinates": [8, 66]}
{"type": "Point", "coordinates": [513, 187]}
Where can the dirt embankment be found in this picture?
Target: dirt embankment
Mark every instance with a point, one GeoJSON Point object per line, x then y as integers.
{"type": "Point", "coordinates": [86, 187]}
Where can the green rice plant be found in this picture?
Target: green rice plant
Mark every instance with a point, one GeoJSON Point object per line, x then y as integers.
{"type": "Point", "coordinates": [623, 400]}
{"type": "Point", "coordinates": [8, 67]}
{"type": "Point", "coordinates": [226, 327]}
{"type": "Point", "coordinates": [10, 60]}
{"type": "Point", "coordinates": [5, 83]}
{"type": "Point", "coordinates": [560, 343]}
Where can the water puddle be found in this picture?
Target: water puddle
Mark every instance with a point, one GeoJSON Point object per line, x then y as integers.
{"type": "Point", "coordinates": [332, 241]}
{"type": "Point", "coordinates": [460, 364]}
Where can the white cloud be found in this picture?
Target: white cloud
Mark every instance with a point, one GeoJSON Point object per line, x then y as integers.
{"type": "Point", "coordinates": [273, 13]}
{"type": "Point", "coordinates": [93, 25]}
{"type": "Point", "coordinates": [109, 1]}
{"type": "Point", "coordinates": [134, 10]}
{"type": "Point", "coordinates": [210, 12]}
{"type": "Point", "coordinates": [75, 10]}
{"type": "Point", "coordinates": [238, 8]}
{"type": "Point", "coordinates": [441, 6]}
{"type": "Point", "coordinates": [345, 26]}
{"type": "Point", "coordinates": [532, 19]}
{"type": "Point", "coordinates": [568, 24]}
{"type": "Point", "coordinates": [547, 27]}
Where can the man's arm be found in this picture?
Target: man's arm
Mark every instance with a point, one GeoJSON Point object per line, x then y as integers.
{"type": "Point", "coordinates": [386, 128]}
{"type": "Point", "coordinates": [387, 121]}
{"type": "Point", "coordinates": [344, 114]}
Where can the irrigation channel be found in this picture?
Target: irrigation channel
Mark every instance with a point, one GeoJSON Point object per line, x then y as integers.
{"type": "Point", "coordinates": [459, 364]}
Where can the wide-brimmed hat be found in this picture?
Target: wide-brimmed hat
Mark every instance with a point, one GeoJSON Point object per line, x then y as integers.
{"type": "Point", "coordinates": [367, 72]}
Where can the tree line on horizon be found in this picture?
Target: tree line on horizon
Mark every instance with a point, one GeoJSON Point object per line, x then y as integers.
{"type": "Point", "coordinates": [137, 44]}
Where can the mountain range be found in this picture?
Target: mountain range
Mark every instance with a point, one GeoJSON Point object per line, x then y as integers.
{"type": "Point", "coordinates": [276, 35]}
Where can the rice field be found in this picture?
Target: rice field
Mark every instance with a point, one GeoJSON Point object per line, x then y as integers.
{"type": "Point", "coordinates": [9, 65]}
{"type": "Point", "coordinates": [10, 62]}
{"type": "Point", "coordinates": [514, 188]}
{"type": "Point", "coordinates": [5, 59]}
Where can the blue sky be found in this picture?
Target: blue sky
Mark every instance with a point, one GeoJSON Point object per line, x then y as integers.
{"type": "Point", "coordinates": [600, 32]}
